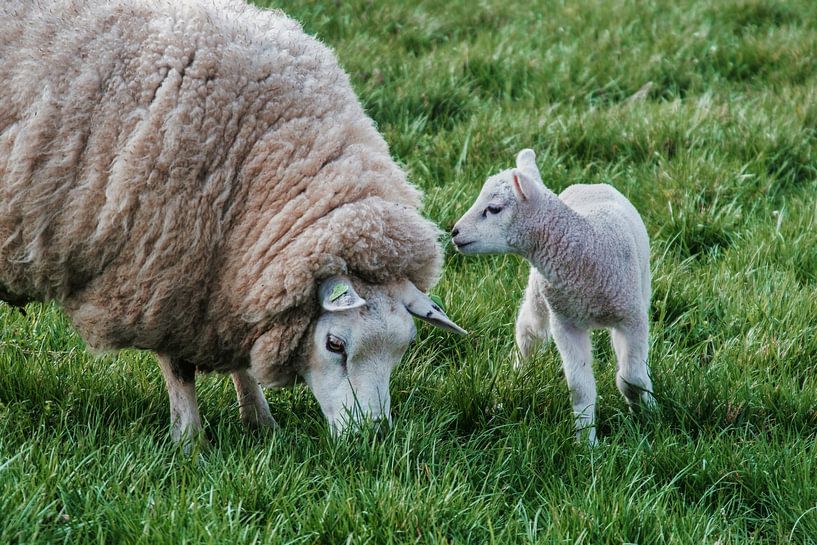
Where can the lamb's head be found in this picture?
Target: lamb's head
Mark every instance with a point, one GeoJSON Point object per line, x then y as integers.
{"type": "Point", "coordinates": [496, 221]}
{"type": "Point", "coordinates": [350, 350]}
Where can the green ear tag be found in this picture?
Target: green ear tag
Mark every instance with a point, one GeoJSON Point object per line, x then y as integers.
{"type": "Point", "coordinates": [338, 291]}
{"type": "Point", "coordinates": [437, 301]}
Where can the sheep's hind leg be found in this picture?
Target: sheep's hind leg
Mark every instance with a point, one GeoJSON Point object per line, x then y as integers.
{"type": "Point", "coordinates": [630, 344]}
{"type": "Point", "coordinates": [252, 405]}
{"type": "Point", "coordinates": [532, 321]}
{"type": "Point", "coordinates": [185, 422]}
{"type": "Point", "coordinates": [577, 359]}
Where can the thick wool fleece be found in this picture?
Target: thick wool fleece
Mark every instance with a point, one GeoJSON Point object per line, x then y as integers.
{"type": "Point", "coordinates": [178, 174]}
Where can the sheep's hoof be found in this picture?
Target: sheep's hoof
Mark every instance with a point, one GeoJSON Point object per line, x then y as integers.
{"type": "Point", "coordinates": [192, 443]}
{"type": "Point", "coordinates": [255, 420]}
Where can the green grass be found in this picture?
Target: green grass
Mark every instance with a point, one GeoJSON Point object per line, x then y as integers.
{"type": "Point", "coordinates": [720, 158]}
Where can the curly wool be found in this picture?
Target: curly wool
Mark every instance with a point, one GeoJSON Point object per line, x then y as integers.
{"type": "Point", "coordinates": [179, 174]}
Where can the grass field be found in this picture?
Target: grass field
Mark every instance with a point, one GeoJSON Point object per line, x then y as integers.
{"type": "Point", "coordinates": [719, 153]}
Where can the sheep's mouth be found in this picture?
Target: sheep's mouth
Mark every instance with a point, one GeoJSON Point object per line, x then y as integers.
{"type": "Point", "coordinates": [461, 245]}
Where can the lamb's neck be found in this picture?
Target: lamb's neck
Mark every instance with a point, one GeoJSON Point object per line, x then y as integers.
{"type": "Point", "coordinates": [561, 240]}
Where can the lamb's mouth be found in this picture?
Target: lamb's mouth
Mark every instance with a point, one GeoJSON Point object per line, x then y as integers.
{"type": "Point", "coordinates": [461, 245]}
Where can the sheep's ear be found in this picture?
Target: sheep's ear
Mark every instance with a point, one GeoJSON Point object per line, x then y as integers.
{"type": "Point", "coordinates": [526, 162]}
{"type": "Point", "coordinates": [420, 305]}
{"type": "Point", "coordinates": [336, 294]}
{"type": "Point", "coordinates": [523, 185]}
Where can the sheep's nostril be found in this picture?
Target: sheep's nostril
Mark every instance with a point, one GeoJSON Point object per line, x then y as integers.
{"type": "Point", "coordinates": [454, 232]}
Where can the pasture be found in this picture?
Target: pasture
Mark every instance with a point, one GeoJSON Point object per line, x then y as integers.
{"type": "Point", "coordinates": [704, 114]}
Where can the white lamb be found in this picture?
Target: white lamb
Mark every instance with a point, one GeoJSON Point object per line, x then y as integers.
{"type": "Point", "coordinates": [590, 258]}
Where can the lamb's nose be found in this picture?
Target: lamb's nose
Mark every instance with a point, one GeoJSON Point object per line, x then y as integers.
{"type": "Point", "coordinates": [454, 232]}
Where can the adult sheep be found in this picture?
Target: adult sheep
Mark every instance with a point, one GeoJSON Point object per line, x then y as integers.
{"type": "Point", "coordinates": [197, 178]}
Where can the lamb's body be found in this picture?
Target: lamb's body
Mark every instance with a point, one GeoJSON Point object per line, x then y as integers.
{"type": "Point", "coordinates": [600, 271]}
{"type": "Point", "coordinates": [590, 268]}
{"type": "Point", "coordinates": [177, 174]}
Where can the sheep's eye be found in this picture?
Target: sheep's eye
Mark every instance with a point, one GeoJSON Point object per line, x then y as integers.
{"type": "Point", "coordinates": [493, 209]}
{"type": "Point", "coordinates": [335, 344]}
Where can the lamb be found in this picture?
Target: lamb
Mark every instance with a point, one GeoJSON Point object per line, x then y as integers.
{"type": "Point", "coordinates": [590, 268]}
{"type": "Point", "coordinates": [197, 178]}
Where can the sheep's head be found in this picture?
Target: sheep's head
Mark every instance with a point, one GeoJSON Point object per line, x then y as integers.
{"type": "Point", "coordinates": [354, 344]}
{"type": "Point", "coordinates": [494, 222]}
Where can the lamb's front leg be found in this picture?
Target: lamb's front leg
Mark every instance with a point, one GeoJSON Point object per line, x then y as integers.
{"type": "Point", "coordinates": [185, 422]}
{"type": "Point", "coordinates": [252, 405]}
{"type": "Point", "coordinates": [576, 351]}
{"type": "Point", "coordinates": [533, 320]}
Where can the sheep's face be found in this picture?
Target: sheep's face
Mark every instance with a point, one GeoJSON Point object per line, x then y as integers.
{"type": "Point", "coordinates": [492, 223]}
{"type": "Point", "coordinates": [355, 344]}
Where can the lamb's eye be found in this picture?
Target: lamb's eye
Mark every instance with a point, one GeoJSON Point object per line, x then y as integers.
{"type": "Point", "coordinates": [335, 344]}
{"type": "Point", "coordinates": [493, 209]}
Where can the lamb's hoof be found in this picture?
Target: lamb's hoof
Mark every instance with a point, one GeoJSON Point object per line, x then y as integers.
{"type": "Point", "coordinates": [644, 404]}
{"type": "Point", "coordinates": [587, 436]}
{"type": "Point", "coordinates": [648, 402]}
{"type": "Point", "coordinates": [586, 431]}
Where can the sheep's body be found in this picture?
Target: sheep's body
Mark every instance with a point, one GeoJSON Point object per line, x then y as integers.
{"type": "Point", "coordinates": [590, 268]}
{"type": "Point", "coordinates": [177, 174]}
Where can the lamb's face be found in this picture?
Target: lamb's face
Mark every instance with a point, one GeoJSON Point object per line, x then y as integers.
{"type": "Point", "coordinates": [484, 228]}
{"type": "Point", "coordinates": [356, 343]}
{"type": "Point", "coordinates": [493, 223]}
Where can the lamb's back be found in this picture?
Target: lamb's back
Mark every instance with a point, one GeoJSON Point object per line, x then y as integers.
{"type": "Point", "coordinates": [608, 211]}
{"type": "Point", "coordinates": [621, 250]}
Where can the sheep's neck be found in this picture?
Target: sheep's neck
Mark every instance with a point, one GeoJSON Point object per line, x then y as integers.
{"type": "Point", "coordinates": [561, 242]}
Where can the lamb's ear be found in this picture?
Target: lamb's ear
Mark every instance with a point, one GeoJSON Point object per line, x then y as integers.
{"type": "Point", "coordinates": [336, 293]}
{"type": "Point", "coordinates": [420, 305]}
{"type": "Point", "coordinates": [526, 162]}
{"type": "Point", "coordinates": [523, 185]}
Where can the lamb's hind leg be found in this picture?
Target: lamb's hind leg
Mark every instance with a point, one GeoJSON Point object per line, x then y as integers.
{"type": "Point", "coordinates": [252, 405]}
{"type": "Point", "coordinates": [577, 359]}
{"type": "Point", "coordinates": [630, 344]}
{"type": "Point", "coordinates": [185, 422]}
{"type": "Point", "coordinates": [532, 321]}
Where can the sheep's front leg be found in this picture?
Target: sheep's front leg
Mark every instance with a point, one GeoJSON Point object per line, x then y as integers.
{"type": "Point", "coordinates": [532, 321]}
{"type": "Point", "coordinates": [630, 344]}
{"type": "Point", "coordinates": [180, 377]}
{"type": "Point", "coordinates": [577, 360]}
{"type": "Point", "coordinates": [252, 405]}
